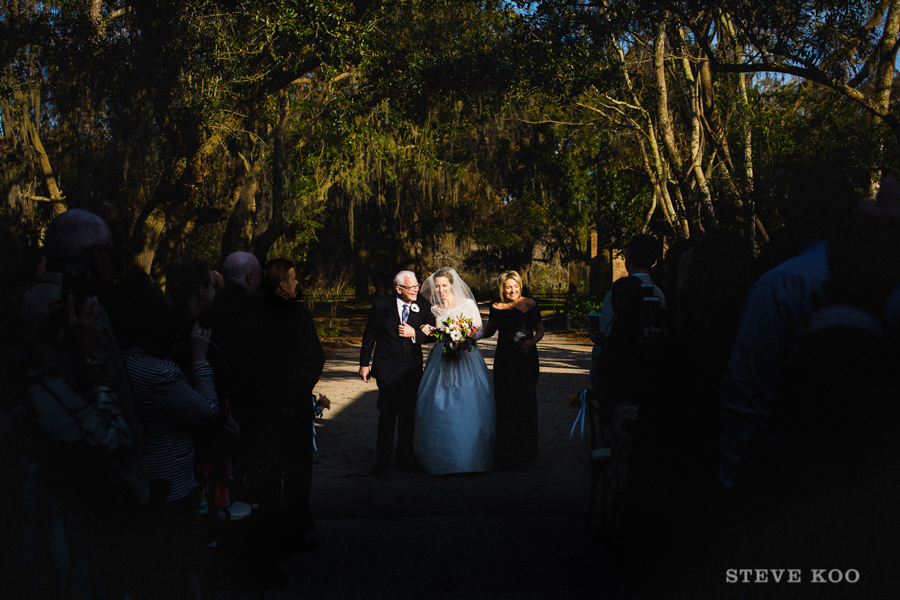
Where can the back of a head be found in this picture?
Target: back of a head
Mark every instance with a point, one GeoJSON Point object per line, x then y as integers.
{"type": "Point", "coordinates": [184, 279]}
{"type": "Point", "coordinates": [820, 198]}
{"type": "Point", "coordinates": [713, 284]}
{"type": "Point", "coordinates": [140, 314]}
{"type": "Point", "coordinates": [72, 233]}
{"type": "Point", "coordinates": [627, 299]}
{"type": "Point", "coordinates": [644, 250]}
{"type": "Point", "coordinates": [237, 266]}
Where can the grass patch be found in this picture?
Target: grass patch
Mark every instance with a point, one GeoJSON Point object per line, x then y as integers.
{"type": "Point", "coordinates": [329, 332]}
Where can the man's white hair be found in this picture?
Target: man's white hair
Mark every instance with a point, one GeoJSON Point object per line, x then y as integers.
{"type": "Point", "coordinates": [401, 277]}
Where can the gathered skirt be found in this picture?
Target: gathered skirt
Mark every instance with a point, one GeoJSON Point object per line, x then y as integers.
{"type": "Point", "coordinates": [456, 416]}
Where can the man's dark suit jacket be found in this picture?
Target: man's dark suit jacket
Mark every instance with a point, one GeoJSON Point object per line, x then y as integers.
{"type": "Point", "coordinates": [237, 320]}
{"type": "Point", "coordinates": [394, 357]}
{"type": "Point", "coordinates": [296, 354]}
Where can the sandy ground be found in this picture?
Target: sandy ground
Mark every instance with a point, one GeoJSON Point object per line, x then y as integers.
{"type": "Point", "coordinates": [492, 535]}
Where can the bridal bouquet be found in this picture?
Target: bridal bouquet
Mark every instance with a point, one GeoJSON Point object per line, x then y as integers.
{"type": "Point", "coordinates": [457, 333]}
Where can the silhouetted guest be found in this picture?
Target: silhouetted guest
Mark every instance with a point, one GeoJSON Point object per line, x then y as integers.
{"type": "Point", "coordinates": [809, 421]}
{"type": "Point", "coordinates": [673, 472]}
{"type": "Point", "coordinates": [642, 254]}
{"type": "Point", "coordinates": [190, 289]}
{"type": "Point", "coordinates": [829, 487]}
{"type": "Point", "coordinates": [61, 433]}
{"type": "Point", "coordinates": [174, 405]}
{"type": "Point", "coordinates": [77, 245]}
{"type": "Point", "coordinates": [621, 371]}
{"type": "Point", "coordinates": [237, 319]}
{"type": "Point", "coordinates": [671, 270]}
{"type": "Point", "coordinates": [286, 452]}
{"type": "Point", "coordinates": [775, 315]}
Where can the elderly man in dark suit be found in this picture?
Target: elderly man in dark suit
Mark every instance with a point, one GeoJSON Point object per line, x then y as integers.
{"type": "Point", "coordinates": [393, 333]}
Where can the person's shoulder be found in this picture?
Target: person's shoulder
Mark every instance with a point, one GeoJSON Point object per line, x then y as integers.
{"type": "Point", "coordinates": [797, 277]}
{"type": "Point", "coordinates": [142, 364]}
{"type": "Point", "coordinates": [500, 308]}
{"type": "Point", "coordinates": [380, 302]}
{"type": "Point", "coordinates": [233, 295]}
{"type": "Point", "coordinates": [527, 303]}
{"type": "Point", "coordinates": [383, 305]}
{"type": "Point", "coordinates": [813, 260]}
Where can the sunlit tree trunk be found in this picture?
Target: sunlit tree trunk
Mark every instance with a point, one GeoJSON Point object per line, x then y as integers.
{"type": "Point", "coordinates": [664, 120]}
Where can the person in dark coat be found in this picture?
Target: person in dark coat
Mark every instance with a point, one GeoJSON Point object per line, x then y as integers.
{"type": "Point", "coordinates": [295, 364]}
{"type": "Point", "coordinates": [393, 334]}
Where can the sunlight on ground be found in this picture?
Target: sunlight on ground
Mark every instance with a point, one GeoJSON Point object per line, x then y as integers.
{"type": "Point", "coordinates": [341, 383]}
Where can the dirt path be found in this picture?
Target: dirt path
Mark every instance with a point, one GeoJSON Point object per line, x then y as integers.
{"type": "Point", "coordinates": [346, 440]}
{"type": "Point", "coordinates": [492, 535]}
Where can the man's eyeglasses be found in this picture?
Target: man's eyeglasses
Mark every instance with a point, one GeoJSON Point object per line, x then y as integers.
{"type": "Point", "coordinates": [410, 288]}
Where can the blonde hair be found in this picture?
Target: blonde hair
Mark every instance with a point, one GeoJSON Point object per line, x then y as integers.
{"type": "Point", "coordinates": [445, 273]}
{"type": "Point", "coordinates": [501, 283]}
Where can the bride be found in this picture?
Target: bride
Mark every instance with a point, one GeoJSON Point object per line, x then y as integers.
{"type": "Point", "coordinates": [455, 411]}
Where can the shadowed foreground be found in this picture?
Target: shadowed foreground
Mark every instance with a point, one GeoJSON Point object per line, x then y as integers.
{"type": "Point", "coordinates": [492, 535]}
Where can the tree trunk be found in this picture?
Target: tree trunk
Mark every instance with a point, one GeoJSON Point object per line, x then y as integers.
{"type": "Point", "coordinates": [884, 80]}
{"type": "Point", "coordinates": [146, 241]}
{"type": "Point", "coordinates": [654, 164]}
{"type": "Point", "coordinates": [55, 194]}
{"type": "Point", "coordinates": [664, 119]}
{"type": "Point", "coordinates": [238, 234]}
{"type": "Point", "coordinates": [698, 147]}
{"type": "Point", "coordinates": [275, 225]}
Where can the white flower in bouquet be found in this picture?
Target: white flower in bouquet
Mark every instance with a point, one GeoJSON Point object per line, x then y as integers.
{"type": "Point", "coordinates": [519, 337]}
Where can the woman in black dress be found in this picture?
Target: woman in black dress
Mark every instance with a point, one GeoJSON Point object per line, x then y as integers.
{"type": "Point", "coordinates": [516, 370]}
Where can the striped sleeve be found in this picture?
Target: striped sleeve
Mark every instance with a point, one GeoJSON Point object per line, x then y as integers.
{"type": "Point", "coordinates": [167, 395]}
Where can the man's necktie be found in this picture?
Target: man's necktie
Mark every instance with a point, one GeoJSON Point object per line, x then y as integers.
{"type": "Point", "coordinates": [404, 314]}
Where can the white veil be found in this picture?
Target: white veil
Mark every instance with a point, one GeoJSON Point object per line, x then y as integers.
{"type": "Point", "coordinates": [459, 289]}
{"type": "Point", "coordinates": [461, 293]}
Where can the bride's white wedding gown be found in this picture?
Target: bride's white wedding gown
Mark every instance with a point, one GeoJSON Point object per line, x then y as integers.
{"type": "Point", "coordinates": [455, 412]}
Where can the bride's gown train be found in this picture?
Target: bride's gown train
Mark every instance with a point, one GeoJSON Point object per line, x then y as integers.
{"type": "Point", "coordinates": [455, 412]}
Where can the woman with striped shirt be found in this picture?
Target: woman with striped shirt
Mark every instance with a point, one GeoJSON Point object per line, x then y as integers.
{"type": "Point", "coordinates": [173, 406]}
